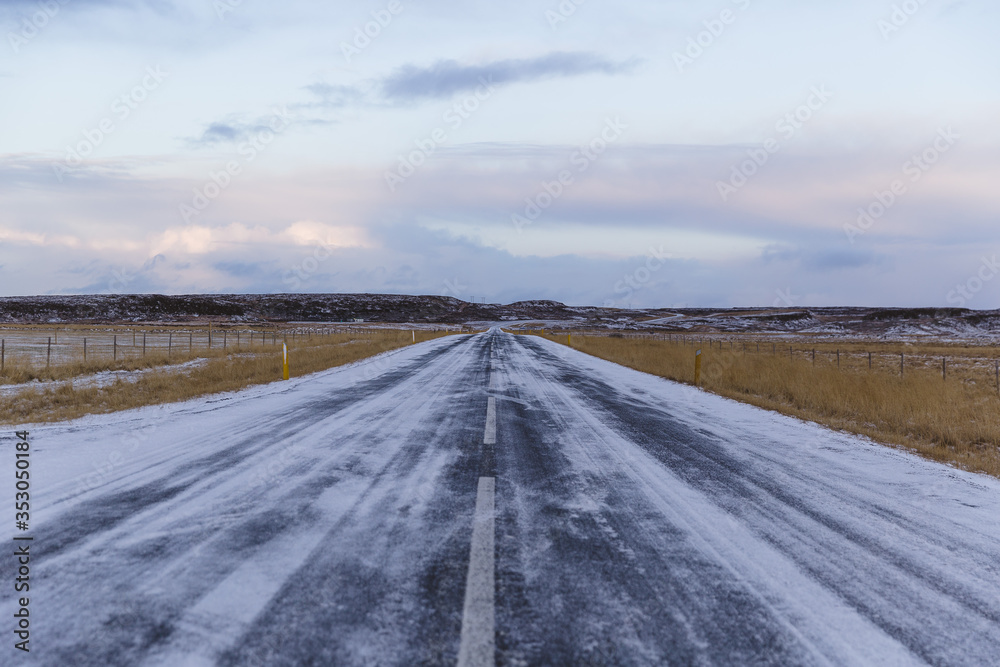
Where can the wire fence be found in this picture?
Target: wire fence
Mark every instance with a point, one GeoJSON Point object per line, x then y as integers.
{"type": "Point", "coordinates": [43, 347]}
{"type": "Point", "coordinates": [955, 362]}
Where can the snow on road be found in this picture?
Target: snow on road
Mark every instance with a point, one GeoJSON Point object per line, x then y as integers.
{"type": "Point", "coordinates": [494, 497]}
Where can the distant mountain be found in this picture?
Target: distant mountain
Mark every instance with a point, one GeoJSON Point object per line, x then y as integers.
{"type": "Point", "coordinates": [890, 323]}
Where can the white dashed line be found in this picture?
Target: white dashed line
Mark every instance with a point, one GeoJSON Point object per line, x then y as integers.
{"type": "Point", "coordinates": [490, 436]}
{"type": "Point", "coordinates": [477, 646]}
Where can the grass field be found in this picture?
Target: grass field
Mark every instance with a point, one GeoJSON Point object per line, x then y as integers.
{"type": "Point", "coordinates": [36, 386]}
{"type": "Point", "coordinates": [943, 403]}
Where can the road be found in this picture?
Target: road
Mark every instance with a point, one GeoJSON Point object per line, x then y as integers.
{"type": "Point", "coordinates": [496, 499]}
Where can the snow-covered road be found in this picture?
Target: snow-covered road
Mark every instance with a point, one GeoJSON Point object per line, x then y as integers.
{"type": "Point", "coordinates": [491, 497]}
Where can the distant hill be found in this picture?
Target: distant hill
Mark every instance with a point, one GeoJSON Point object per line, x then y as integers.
{"type": "Point", "coordinates": [889, 323]}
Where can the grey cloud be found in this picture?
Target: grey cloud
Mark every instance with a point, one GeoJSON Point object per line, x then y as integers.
{"type": "Point", "coordinates": [233, 130]}
{"type": "Point", "coordinates": [448, 77]}
{"type": "Point", "coordinates": [812, 259]}
{"type": "Point", "coordinates": [27, 7]}
{"type": "Point", "coordinates": [334, 96]}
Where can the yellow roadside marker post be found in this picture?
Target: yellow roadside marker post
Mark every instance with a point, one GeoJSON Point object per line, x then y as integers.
{"type": "Point", "coordinates": [284, 354]}
{"type": "Point", "coordinates": [569, 339]}
{"type": "Point", "coordinates": [697, 368]}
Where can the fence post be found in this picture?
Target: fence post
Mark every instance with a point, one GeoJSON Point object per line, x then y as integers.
{"type": "Point", "coordinates": [814, 356]}
{"type": "Point", "coordinates": [900, 364]}
{"type": "Point", "coordinates": [697, 368]}
{"type": "Point", "coordinates": [944, 369]}
{"type": "Point", "coordinates": [144, 343]}
{"type": "Point", "coordinates": [170, 343]}
{"type": "Point", "coordinates": [48, 353]}
{"type": "Point", "coordinates": [114, 349]}
{"type": "Point", "coordinates": [3, 354]}
{"type": "Point", "coordinates": [190, 342]}
{"type": "Point", "coordinates": [85, 349]}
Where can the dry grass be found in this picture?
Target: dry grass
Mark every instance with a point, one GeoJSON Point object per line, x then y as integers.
{"type": "Point", "coordinates": [163, 383]}
{"type": "Point", "coordinates": [953, 420]}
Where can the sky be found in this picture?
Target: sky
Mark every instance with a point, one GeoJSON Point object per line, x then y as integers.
{"type": "Point", "coordinates": [627, 154]}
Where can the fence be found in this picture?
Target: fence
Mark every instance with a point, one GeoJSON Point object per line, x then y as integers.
{"type": "Point", "coordinates": [967, 363]}
{"type": "Point", "coordinates": [45, 346]}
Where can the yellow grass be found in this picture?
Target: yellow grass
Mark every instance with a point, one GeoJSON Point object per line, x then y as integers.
{"type": "Point", "coordinates": [162, 383]}
{"type": "Point", "coordinates": [954, 420]}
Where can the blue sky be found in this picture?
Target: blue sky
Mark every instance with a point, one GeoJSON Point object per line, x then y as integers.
{"type": "Point", "coordinates": [726, 153]}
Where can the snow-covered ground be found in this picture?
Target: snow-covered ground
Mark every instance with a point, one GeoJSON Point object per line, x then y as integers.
{"type": "Point", "coordinates": [328, 520]}
{"type": "Point", "coordinates": [102, 379]}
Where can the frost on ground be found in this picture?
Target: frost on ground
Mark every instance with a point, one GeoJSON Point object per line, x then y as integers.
{"type": "Point", "coordinates": [328, 520]}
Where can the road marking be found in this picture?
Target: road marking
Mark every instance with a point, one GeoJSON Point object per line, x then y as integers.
{"type": "Point", "coordinates": [478, 623]}
{"type": "Point", "coordinates": [490, 436]}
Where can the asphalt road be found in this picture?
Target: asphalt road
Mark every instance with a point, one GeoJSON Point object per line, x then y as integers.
{"type": "Point", "coordinates": [498, 500]}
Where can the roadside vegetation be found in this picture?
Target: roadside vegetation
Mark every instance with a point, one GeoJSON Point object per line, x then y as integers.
{"type": "Point", "coordinates": [69, 389]}
{"type": "Point", "coordinates": [941, 401]}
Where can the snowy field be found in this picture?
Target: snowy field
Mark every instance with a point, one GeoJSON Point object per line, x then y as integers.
{"type": "Point", "coordinates": [343, 518]}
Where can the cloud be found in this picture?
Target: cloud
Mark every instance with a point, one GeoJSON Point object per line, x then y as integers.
{"type": "Point", "coordinates": [341, 230]}
{"type": "Point", "coordinates": [816, 259]}
{"type": "Point", "coordinates": [234, 129]}
{"type": "Point", "coordinates": [336, 96]}
{"type": "Point", "coordinates": [448, 77]}
{"type": "Point", "coordinates": [217, 132]}
{"type": "Point", "coordinates": [13, 8]}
